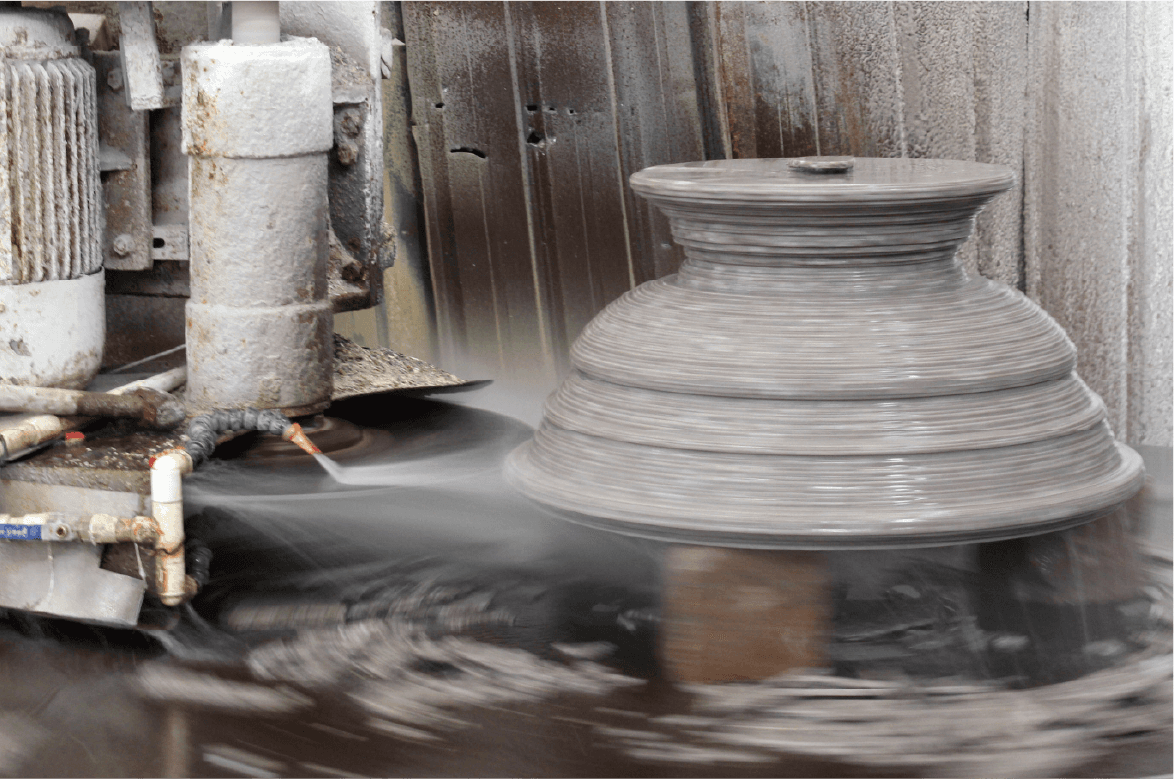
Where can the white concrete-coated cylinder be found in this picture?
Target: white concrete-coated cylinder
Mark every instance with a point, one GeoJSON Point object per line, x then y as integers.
{"type": "Point", "coordinates": [52, 332]}
{"type": "Point", "coordinates": [257, 123]}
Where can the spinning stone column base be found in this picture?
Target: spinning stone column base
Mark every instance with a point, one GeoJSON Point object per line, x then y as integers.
{"type": "Point", "coordinates": [743, 614]}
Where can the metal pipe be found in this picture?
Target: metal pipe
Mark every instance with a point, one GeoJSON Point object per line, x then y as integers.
{"type": "Point", "coordinates": [258, 122]}
{"type": "Point", "coordinates": [256, 22]}
{"type": "Point", "coordinates": [155, 409]}
{"type": "Point", "coordinates": [23, 433]}
{"type": "Point", "coordinates": [167, 472]}
{"type": "Point", "coordinates": [85, 528]}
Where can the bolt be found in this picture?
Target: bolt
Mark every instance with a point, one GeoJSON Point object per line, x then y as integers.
{"type": "Point", "coordinates": [351, 123]}
{"type": "Point", "coordinates": [348, 153]}
{"type": "Point", "coordinates": [114, 79]}
{"type": "Point", "coordinates": [123, 245]}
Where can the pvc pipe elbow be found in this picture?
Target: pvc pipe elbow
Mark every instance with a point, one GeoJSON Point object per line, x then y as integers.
{"type": "Point", "coordinates": [167, 471]}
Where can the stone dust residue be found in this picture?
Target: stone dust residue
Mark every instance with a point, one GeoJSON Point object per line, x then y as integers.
{"type": "Point", "coordinates": [359, 370]}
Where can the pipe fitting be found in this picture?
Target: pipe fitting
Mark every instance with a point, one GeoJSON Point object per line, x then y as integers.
{"type": "Point", "coordinates": [93, 529]}
{"type": "Point", "coordinates": [160, 410]}
{"type": "Point", "coordinates": [295, 435]}
{"type": "Point", "coordinates": [167, 472]}
{"type": "Point", "coordinates": [107, 529]}
{"type": "Point", "coordinates": [203, 431]}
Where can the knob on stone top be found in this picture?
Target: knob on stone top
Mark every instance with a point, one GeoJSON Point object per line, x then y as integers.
{"type": "Point", "coordinates": [822, 164]}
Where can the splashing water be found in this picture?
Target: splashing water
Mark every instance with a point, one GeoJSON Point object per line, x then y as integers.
{"type": "Point", "coordinates": [336, 471]}
{"type": "Point", "coordinates": [411, 473]}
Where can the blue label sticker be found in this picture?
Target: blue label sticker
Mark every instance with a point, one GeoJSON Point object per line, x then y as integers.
{"type": "Point", "coordinates": [20, 532]}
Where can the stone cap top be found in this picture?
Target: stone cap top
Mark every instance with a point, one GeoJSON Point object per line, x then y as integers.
{"type": "Point", "coordinates": [778, 181]}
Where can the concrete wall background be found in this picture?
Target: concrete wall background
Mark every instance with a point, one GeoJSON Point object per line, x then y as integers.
{"type": "Point", "coordinates": [1097, 198]}
{"type": "Point", "coordinates": [1073, 96]}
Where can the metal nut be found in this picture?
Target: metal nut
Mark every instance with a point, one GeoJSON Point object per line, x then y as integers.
{"type": "Point", "coordinates": [351, 123]}
{"type": "Point", "coordinates": [348, 152]}
{"type": "Point", "coordinates": [123, 245]}
{"type": "Point", "coordinates": [114, 79]}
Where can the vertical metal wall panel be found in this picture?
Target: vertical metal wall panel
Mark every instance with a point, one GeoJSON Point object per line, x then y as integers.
{"type": "Point", "coordinates": [884, 80]}
{"type": "Point", "coordinates": [1093, 174]}
{"type": "Point", "coordinates": [1151, 250]}
{"type": "Point", "coordinates": [529, 118]}
{"type": "Point", "coordinates": [475, 199]}
{"type": "Point", "coordinates": [784, 94]}
{"type": "Point", "coordinates": [405, 321]}
{"type": "Point", "coordinates": [567, 100]}
{"type": "Point", "coordinates": [571, 133]}
{"type": "Point", "coordinates": [732, 58]}
{"type": "Point", "coordinates": [658, 117]}
{"type": "Point", "coordinates": [857, 73]}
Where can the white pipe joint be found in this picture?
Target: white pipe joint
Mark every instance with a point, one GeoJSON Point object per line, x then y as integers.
{"type": "Point", "coordinates": [257, 125]}
{"type": "Point", "coordinates": [167, 472]}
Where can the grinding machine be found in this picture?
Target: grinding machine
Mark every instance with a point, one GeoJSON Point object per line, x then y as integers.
{"type": "Point", "coordinates": [229, 192]}
{"type": "Point", "coordinates": [821, 374]}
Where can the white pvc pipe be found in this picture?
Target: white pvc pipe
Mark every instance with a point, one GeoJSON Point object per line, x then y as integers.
{"type": "Point", "coordinates": [167, 473]}
{"type": "Point", "coordinates": [256, 22]}
{"type": "Point", "coordinates": [24, 431]}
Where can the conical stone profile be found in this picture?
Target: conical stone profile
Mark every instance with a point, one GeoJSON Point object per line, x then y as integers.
{"type": "Point", "coordinates": [822, 373]}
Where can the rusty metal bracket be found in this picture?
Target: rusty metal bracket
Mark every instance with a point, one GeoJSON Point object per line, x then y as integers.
{"type": "Point", "coordinates": [126, 184]}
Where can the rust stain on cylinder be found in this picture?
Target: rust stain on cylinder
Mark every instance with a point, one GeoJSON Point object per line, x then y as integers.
{"type": "Point", "coordinates": [739, 614]}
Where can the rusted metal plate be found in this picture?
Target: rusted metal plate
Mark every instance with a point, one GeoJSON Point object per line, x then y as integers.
{"type": "Point", "coordinates": [127, 192]}
{"type": "Point", "coordinates": [767, 79]}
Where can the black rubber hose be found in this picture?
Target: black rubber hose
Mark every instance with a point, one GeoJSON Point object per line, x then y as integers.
{"type": "Point", "coordinates": [198, 558]}
{"type": "Point", "coordinates": [203, 431]}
